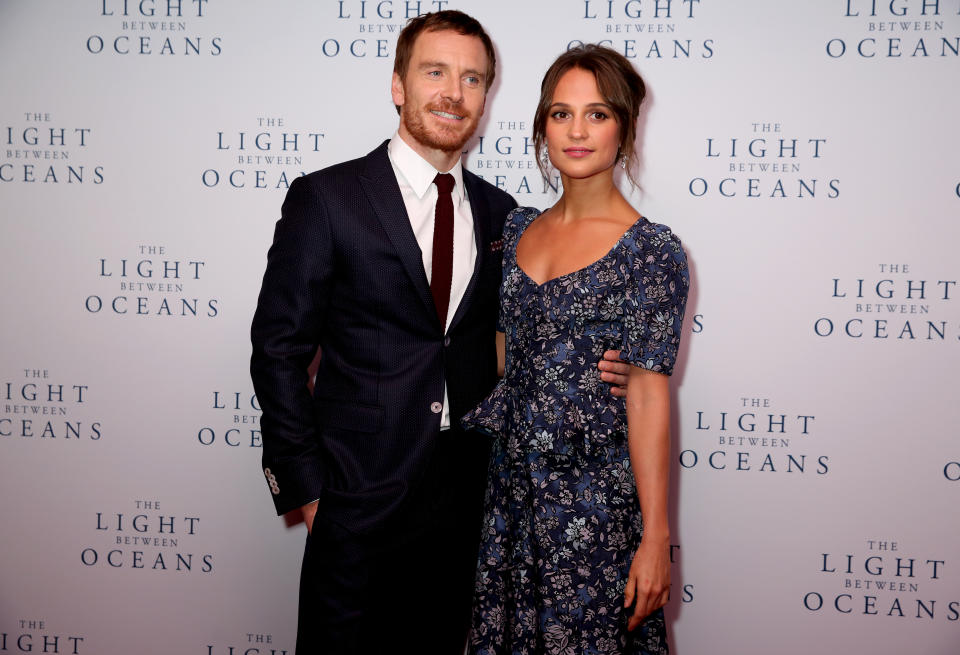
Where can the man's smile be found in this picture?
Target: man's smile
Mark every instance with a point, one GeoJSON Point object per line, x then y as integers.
{"type": "Point", "coordinates": [448, 116]}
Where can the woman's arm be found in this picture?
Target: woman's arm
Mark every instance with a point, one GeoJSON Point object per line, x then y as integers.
{"type": "Point", "coordinates": [501, 353]}
{"type": "Point", "coordinates": [648, 423]}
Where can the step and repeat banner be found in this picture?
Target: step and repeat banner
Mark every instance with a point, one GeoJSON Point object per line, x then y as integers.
{"type": "Point", "coordinates": [807, 153]}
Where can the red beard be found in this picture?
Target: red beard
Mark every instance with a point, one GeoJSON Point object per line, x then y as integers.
{"type": "Point", "coordinates": [445, 138]}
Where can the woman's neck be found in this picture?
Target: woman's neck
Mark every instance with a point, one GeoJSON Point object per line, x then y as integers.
{"type": "Point", "coordinates": [596, 195]}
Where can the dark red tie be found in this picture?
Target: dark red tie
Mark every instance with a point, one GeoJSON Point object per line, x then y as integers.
{"type": "Point", "coordinates": [442, 273]}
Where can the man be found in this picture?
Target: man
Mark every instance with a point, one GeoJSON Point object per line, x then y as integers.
{"type": "Point", "coordinates": [394, 275]}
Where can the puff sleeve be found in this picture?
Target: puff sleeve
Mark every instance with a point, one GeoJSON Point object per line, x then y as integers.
{"type": "Point", "coordinates": [655, 300]}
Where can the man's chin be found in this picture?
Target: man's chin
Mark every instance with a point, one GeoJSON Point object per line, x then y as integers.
{"type": "Point", "coordinates": [450, 146]}
{"type": "Point", "coordinates": [441, 134]}
{"type": "Point", "coordinates": [445, 142]}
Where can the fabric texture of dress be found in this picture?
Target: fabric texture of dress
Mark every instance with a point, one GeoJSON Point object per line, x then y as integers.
{"type": "Point", "coordinates": [562, 519]}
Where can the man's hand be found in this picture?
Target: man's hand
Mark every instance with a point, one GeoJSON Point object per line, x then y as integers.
{"type": "Point", "coordinates": [615, 371]}
{"type": "Point", "coordinates": [309, 511]}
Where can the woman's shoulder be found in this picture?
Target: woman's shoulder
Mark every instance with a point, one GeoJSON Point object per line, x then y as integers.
{"type": "Point", "coordinates": [657, 237]}
{"type": "Point", "coordinates": [523, 214]}
{"type": "Point", "coordinates": [518, 219]}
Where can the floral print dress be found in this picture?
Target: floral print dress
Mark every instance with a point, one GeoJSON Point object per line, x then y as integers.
{"type": "Point", "coordinates": [562, 519]}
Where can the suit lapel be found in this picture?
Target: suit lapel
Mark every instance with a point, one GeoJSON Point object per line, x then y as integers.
{"type": "Point", "coordinates": [481, 229]}
{"type": "Point", "coordinates": [380, 186]}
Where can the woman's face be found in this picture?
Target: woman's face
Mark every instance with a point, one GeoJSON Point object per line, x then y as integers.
{"type": "Point", "coordinates": [583, 137]}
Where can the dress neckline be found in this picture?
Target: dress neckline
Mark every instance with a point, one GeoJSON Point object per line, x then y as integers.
{"type": "Point", "coordinates": [613, 249]}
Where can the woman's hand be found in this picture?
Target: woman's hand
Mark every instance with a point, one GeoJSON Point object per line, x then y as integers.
{"type": "Point", "coordinates": [648, 585]}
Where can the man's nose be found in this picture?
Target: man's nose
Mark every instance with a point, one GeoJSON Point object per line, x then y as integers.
{"type": "Point", "coordinates": [453, 90]}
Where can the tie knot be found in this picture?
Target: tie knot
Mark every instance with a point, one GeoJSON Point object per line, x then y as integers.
{"type": "Point", "coordinates": [444, 182]}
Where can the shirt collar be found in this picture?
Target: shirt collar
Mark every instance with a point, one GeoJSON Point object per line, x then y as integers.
{"type": "Point", "coordinates": [418, 172]}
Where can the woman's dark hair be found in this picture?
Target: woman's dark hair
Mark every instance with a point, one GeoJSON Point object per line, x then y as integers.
{"type": "Point", "coordinates": [620, 85]}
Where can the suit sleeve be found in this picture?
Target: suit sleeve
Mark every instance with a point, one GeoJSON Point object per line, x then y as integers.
{"type": "Point", "coordinates": [285, 335]}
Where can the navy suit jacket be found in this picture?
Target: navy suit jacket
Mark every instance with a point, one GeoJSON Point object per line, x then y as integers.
{"type": "Point", "coordinates": [345, 273]}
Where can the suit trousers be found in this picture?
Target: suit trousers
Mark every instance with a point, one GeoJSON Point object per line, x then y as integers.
{"type": "Point", "coordinates": [407, 587]}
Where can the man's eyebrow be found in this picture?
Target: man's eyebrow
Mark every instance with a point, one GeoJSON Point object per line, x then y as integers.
{"type": "Point", "coordinates": [439, 64]}
{"type": "Point", "coordinates": [432, 64]}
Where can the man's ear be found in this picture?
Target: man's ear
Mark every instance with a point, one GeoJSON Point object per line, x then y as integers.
{"type": "Point", "coordinates": [396, 90]}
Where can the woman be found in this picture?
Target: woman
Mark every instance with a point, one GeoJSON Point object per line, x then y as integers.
{"type": "Point", "coordinates": [562, 566]}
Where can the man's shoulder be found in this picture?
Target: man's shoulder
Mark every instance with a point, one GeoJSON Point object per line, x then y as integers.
{"type": "Point", "coordinates": [345, 172]}
{"type": "Point", "coordinates": [495, 195]}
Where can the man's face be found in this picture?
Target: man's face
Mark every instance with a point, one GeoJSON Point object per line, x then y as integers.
{"type": "Point", "coordinates": [442, 96]}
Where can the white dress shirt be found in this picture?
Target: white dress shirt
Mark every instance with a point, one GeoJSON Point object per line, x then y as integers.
{"type": "Point", "coordinates": [415, 176]}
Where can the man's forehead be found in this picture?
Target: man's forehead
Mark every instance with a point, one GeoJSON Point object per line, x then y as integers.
{"type": "Point", "coordinates": [428, 38]}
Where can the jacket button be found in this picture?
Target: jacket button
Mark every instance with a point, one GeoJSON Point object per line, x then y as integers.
{"type": "Point", "coordinates": [436, 407]}
{"type": "Point", "coordinates": [446, 341]}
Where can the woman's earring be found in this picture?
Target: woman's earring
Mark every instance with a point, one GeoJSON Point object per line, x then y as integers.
{"type": "Point", "coordinates": [545, 157]}
{"type": "Point", "coordinates": [623, 162]}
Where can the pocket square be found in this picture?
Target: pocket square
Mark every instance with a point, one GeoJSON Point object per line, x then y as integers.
{"type": "Point", "coordinates": [496, 246]}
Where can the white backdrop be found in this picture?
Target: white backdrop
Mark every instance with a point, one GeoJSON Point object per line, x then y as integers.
{"type": "Point", "coordinates": [805, 152]}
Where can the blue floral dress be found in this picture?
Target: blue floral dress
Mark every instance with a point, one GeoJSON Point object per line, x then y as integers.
{"type": "Point", "coordinates": [562, 519]}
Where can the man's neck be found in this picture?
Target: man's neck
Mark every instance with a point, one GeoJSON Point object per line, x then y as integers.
{"type": "Point", "coordinates": [441, 160]}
